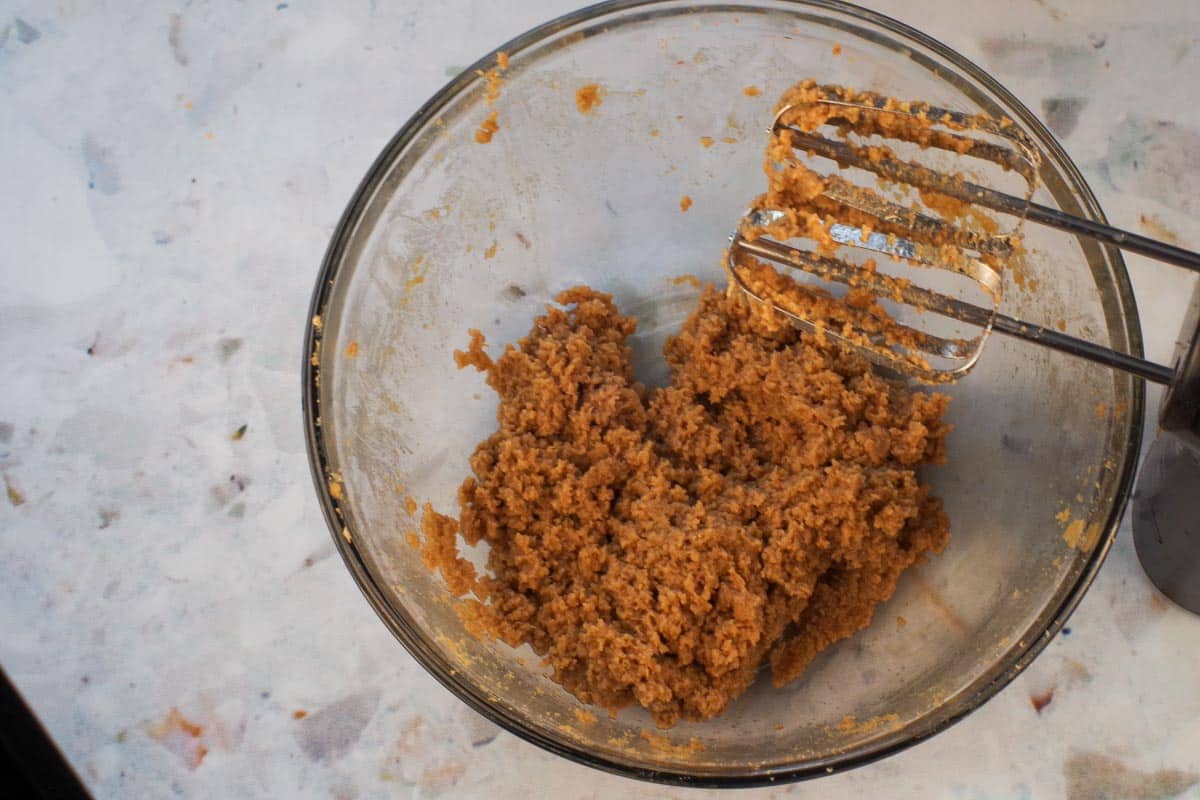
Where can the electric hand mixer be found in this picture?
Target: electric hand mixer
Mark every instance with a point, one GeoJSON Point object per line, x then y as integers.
{"type": "Point", "coordinates": [812, 221]}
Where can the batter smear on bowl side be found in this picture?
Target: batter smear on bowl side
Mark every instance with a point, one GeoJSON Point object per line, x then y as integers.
{"type": "Point", "coordinates": [655, 546]}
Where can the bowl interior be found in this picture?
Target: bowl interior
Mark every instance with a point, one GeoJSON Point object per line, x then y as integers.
{"type": "Point", "coordinates": [448, 234]}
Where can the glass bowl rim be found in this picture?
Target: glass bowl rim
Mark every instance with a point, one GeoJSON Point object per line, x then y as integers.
{"type": "Point", "coordinates": [1003, 670]}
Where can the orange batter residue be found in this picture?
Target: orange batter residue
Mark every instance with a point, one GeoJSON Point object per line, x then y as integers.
{"type": "Point", "coordinates": [654, 546]}
{"type": "Point", "coordinates": [492, 84]}
{"type": "Point", "coordinates": [487, 129]}
{"type": "Point", "coordinates": [589, 97]}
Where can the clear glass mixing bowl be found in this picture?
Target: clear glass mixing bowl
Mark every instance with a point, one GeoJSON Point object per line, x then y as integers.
{"type": "Point", "coordinates": [446, 234]}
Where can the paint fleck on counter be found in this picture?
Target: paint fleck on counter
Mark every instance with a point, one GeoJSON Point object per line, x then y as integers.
{"type": "Point", "coordinates": [1094, 775]}
{"type": "Point", "coordinates": [329, 734]}
{"type": "Point", "coordinates": [1042, 699]}
{"type": "Point", "coordinates": [26, 33]}
{"type": "Point", "coordinates": [181, 736]}
{"type": "Point", "coordinates": [14, 494]}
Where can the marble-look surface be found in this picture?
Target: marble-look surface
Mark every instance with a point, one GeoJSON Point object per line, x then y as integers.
{"type": "Point", "coordinates": [172, 172]}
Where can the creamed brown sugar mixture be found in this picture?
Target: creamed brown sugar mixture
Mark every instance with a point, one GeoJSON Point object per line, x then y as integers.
{"type": "Point", "coordinates": [655, 546]}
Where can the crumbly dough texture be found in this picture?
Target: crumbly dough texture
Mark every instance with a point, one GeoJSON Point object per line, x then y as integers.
{"type": "Point", "coordinates": [655, 546]}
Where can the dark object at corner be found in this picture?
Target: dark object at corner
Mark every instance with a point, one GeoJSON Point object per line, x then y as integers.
{"type": "Point", "coordinates": [31, 766]}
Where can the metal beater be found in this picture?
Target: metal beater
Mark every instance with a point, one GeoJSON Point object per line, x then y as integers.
{"type": "Point", "coordinates": [806, 223]}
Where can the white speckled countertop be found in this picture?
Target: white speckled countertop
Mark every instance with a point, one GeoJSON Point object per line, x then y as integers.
{"type": "Point", "coordinates": [172, 172]}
